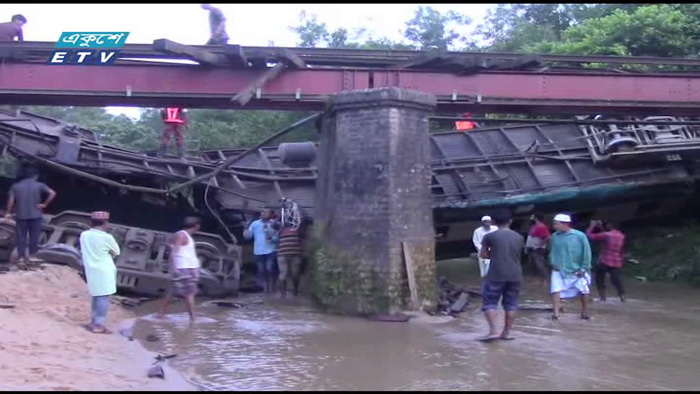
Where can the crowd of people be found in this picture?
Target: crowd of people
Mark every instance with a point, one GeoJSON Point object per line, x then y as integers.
{"type": "Point", "coordinates": [566, 253]}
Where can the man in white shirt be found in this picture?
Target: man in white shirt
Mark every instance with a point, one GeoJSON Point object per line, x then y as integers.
{"type": "Point", "coordinates": [485, 228]}
{"type": "Point", "coordinates": [98, 249]}
{"type": "Point", "coordinates": [184, 264]}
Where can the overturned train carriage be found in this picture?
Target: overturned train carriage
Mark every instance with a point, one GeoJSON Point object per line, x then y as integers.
{"type": "Point", "coordinates": [591, 171]}
{"type": "Point", "coordinates": [143, 267]}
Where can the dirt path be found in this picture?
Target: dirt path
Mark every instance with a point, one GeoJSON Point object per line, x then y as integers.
{"type": "Point", "coordinates": [44, 347]}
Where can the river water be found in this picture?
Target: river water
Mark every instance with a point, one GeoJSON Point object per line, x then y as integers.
{"type": "Point", "coordinates": [649, 343]}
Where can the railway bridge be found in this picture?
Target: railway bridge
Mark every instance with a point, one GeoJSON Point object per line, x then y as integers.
{"type": "Point", "coordinates": [373, 208]}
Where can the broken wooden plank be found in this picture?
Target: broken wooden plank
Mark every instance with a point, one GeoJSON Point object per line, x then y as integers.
{"type": "Point", "coordinates": [460, 304]}
{"type": "Point", "coordinates": [418, 61]}
{"type": "Point", "coordinates": [412, 287]}
{"type": "Point", "coordinates": [236, 55]}
{"type": "Point", "coordinates": [290, 59]}
{"type": "Point", "coordinates": [200, 55]}
{"type": "Point", "coordinates": [244, 96]}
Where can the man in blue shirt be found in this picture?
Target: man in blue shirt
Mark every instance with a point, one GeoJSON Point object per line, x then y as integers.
{"type": "Point", "coordinates": [264, 248]}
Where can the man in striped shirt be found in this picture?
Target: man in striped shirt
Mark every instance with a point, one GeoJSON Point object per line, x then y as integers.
{"type": "Point", "coordinates": [289, 252]}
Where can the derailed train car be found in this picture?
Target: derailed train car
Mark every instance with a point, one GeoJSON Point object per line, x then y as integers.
{"type": "Point", "coordinates": [143, 267]}
{"type": "Point", "coordinates": [621, 173]}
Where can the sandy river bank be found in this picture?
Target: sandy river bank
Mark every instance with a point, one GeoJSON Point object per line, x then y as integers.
{"type": "Point", "coordinates": [43, 345]}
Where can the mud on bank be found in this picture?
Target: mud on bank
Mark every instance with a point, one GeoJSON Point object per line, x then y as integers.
{"type": "Point", "coordinates": [45, 347]}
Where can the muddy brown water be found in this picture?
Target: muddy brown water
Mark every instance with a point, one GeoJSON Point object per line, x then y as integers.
{"type": "Point", "coordinates": [652, 342]}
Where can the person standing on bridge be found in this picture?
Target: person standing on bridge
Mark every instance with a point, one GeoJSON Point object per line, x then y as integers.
{"type": "Point", "coordinates": [174, 123]}
{"type": "Point", "coordinates": [504, 248]}
{"type": "Point", "coordinates": [570, 256]}
{"type": "Point", "coordinates": [265, 240]}
{"type": "Point", "coordinates": [12, 29]}
{"type": "Point", "coordinates": [25, 195]}
{"type": "Point", "coordinates": [478, 235]}
{"type": "Point", "coordinates": [184, 265]}
{"type": "Point", "coordinates": [98, 249]}
{"type": "Point", "coordinates": [611, 256]}
{"type": "Point", "coordinates": [217, 26]}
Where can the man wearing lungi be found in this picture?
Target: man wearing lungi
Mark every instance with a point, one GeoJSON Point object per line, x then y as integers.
{"type": "Point", "coordinates": [184, 264]}
{"type": "Point", "coordinates": [570, 256]}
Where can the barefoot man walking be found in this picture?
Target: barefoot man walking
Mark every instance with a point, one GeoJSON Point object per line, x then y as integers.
{"type": "Point", "coordinates": [504, 247]}
{"type": "Point", "coordinates": [185, 266]}
{"type": "Point", "coordinates": [98, 249]}
{"type": "Point", "coordinates": [570, 256]}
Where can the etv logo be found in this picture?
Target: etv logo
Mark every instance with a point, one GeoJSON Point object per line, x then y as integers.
{"type": "Point", "coordinates": [85, 55]}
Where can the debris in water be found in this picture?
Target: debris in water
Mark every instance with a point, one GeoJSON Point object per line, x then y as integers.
{"type": "Point", "coordinates": [539, 308]}
{"type": "Point", "coordinates": [7, 306]}
{"type": "Point", "coordinates": [461, 303]}
{"type": "Point", "coordinates": [227, 304]}
{"type": "Point", "coordinates": [127, 333]}
{"type": "Point", "coordinates": [152, 338]}
{"type": "Point", "coordinates": [633, 261]}
{"type": "Point", "coordinates": [452, 300]}
{"type": "Point", "coordinates": [642, 278]}
{"type": "Point", "coordinates": [397, 318]}
{"type": "Point", "coordinates": [156, 371]}
{"type": "Point", "coordinates": [160, 358]}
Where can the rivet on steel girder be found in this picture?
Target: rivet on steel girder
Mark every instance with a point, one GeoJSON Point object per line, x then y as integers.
{"type": "Point", "coordinates": [258, 93]}
{"type": "Point", "coordinates": [128, 90]}
{"type": "Point", "coordinates": [297, 95]}
{"type": "Point", "coordinates": [454, 95]}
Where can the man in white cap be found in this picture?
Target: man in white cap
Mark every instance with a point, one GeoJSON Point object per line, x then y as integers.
{"type": "Point", "coordinates": [478, 236]}
{"type": "Point", "coordinates": [98, 249]}
{"type": "Point", "coordinates": [570, 256]}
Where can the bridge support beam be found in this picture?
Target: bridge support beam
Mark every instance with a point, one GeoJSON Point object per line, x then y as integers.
{"type": "Point", "coordinates": [373, 195]}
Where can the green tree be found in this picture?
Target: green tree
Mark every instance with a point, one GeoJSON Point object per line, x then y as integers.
{"type": "Point", "coordinates": [513, 27]}
{"type": "Point", "coordinates": [430, 29]}
{"type": "Point", "coordinates": [654, 30]}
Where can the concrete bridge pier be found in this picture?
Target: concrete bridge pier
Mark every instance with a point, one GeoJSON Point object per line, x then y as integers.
{"type": "Point", "coordinates": [373, 194]}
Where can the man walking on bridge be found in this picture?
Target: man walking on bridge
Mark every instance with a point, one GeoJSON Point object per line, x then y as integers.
{"type": "Point", "coordinates": [174, 121]}
{"type": "Point", "coordinates": [12, 29]}
{"type": "Point", "coordinates": [217, 26]}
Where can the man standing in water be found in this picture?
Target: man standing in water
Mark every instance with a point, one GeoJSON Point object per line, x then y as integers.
{"type": "Point", "coordinates": [477, 237]}
{"type": "Point", "coordinates": [98, 249]}
{"type": "Point", "coordinates": [25, 195]}
{"type": "Point", "coordinates": [264, 248]}
{"type": "Point", "coordinates": [504, 248]}
{"type": "Point", "coordinates": [611, 256]}
{"type": "Point", "coordinates": [217, 26]}
{"type": "Point", "coordinates": [570, 256]}
{"type": "Point", "coordinates": [184, 264]}
{"type": "Point", "coordinates": [289, 257]}
{"type": "Point", "coordinates": [536, 246]}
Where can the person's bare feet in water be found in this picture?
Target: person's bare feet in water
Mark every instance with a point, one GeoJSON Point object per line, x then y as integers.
{"type": "Point", "coordinates": [490, 337]}
{"type": "Point", "coordinates": [505, 335]}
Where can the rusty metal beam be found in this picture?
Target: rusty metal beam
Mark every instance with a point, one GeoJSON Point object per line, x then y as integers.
{"type": "Point", "coordinates": [197, 87]}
